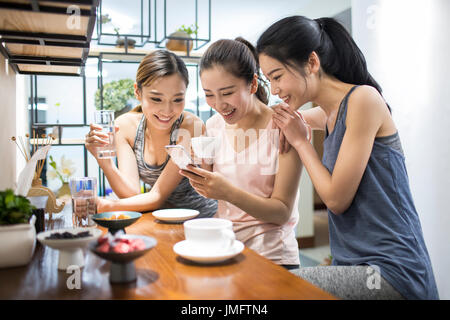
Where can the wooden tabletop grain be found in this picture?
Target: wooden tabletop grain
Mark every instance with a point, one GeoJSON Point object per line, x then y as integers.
{"type": "Point", "coordinates": [161, 274]}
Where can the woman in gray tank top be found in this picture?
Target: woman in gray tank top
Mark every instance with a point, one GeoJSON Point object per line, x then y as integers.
{"type": "Point", "coordinates": [161, 82]}
{"type": "Point", "coordinates": [376, 238]}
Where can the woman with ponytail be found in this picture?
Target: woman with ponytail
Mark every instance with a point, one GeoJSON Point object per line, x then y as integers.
{"type": "Point", "coordinates": [376, 238]}
{"type": "Point", "coordinates": [255, 185]}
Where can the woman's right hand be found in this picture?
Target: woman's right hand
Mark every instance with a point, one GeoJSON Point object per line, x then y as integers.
{"type": "Point", "coordinates": [294, 127]}
{"type": "Point", "coordinates": [96, 138]}
{"type": "Point", "coordinates": [283, 142]}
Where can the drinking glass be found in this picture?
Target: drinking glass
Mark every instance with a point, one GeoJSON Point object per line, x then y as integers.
{"type": "Point", "coordinates": [84, 192]}
{"type": "Point", "coordinates": [105, 119]}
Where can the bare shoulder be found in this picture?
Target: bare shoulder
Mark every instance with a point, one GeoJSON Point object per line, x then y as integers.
{"type": "Point", "coordinates": [366, 100]}
{"type": "Point", "coordinates": [128, 124]}
{"type": "Point", "coordinates": [129, 117]}
{"type": "Point", "coordinates": [367, 109]}
{"type": "Point", "coordinates": [315, 117]}
{"type": "Point", "coordinates": [192, 123]}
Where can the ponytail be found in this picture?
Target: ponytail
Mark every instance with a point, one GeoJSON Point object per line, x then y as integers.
{"type": "Point", "coordinates": [340, 56]}
{"type": "Point", "coordinates": [239, 58]}
{"type": "Point", "coordinates": [261, 92]}
{"type": "Point", "coordinates": [292, 40]}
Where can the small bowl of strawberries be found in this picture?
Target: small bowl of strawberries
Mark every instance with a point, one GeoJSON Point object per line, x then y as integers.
{"type": "Point", "coordinates": [122, 249]}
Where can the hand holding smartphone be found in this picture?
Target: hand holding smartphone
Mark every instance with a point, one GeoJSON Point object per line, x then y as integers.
{"type": "Point", "coordinates": [180, 156]}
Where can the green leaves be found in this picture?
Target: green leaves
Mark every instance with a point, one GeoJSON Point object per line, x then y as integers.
{"type": "Point", "coordinates": [192, 29]}
{"type": "Point", "coordinates": [14, 209]}
{"type": "Point", "coordinates": [105, 18]}
{"type": "Point", "coordinates": [52, 163]}
{"type": "Point", "coordinates": [115, 94]}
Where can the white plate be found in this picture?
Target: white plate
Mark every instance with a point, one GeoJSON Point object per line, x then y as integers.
{"type": "Point", "coordinates": [185, 250]}
{"type": "Point", "coordinates": [70, 250]}
{"type": "Point", "coordinates": [175, 215]}
{"type": "Point", "coordinates": [68, 243]}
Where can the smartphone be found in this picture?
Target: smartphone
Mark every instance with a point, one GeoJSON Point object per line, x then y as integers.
{"type": "Point", "coordinates": [180, 156]}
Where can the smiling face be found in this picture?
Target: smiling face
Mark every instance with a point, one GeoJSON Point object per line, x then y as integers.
{"type": "Point", "coordinates": [228, 95]}
{"type": "Point", "coordinates": [287, 83]}
{"type": "Point", "coordinates": [163, 101]}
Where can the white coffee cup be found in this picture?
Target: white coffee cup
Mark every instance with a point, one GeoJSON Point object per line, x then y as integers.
{"type": "Point", "coordinates": [204, 147]}
{"type": "Point", "coordinates": [209, 235]}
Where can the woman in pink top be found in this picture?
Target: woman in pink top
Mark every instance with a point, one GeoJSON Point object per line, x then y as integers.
{"type": "Point", "coordinates": [256, 185]}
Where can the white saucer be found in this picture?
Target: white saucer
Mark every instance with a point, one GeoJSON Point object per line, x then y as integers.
{"type": "Point", "coordinates": [175, 215]}
{"type": "Point", "coordinates": [185, 250]}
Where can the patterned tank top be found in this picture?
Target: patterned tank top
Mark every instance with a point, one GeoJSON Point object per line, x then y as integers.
{"type": "Point", "coordinates": [184, 196]}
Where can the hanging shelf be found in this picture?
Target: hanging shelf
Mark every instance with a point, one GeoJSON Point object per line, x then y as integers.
{"type": "Point", "coordinates": [47, 37]}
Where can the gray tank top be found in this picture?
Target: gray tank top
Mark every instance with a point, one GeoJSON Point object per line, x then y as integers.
{"type": "Point", "coordinates": [184, 195]}
{"type": "Point", "coordinates": [381, 227]}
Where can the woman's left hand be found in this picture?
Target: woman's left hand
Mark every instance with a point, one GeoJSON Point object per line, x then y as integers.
{"type": "Point", "coordinates": [211, 185]}
{"type": "Point", "coordinates": [292, 124]}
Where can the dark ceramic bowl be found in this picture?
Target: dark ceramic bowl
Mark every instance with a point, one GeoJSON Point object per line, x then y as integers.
{"type": "Point", "coordinates": [122, 268]}
{"type": "Point", "coordinates": [116, 225]}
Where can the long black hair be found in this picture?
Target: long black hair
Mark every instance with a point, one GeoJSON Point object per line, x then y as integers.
{"type": "Point", "coordinates": [237, 57]}
{"type": "Point", "coordinates": [291, 41]}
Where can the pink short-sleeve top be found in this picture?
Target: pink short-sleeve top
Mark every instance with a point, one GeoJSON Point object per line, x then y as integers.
{"type": "Point", "coordinates": [254, 169]}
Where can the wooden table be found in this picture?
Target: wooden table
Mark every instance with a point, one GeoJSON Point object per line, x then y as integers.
{"type": "Point", "coordinates": [161, 274]}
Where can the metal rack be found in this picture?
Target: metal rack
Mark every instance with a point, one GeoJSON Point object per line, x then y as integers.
{"type": "Point", "coordinates": [149, 36]}
{"type": "Point", "coordinates": [34, 121]}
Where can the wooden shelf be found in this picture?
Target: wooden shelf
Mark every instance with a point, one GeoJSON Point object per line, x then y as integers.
{"type": "Point", "coordinates": [18, 49]}
{"type": "Point", "coordinates": [136, 54]}
{"type": "Point", "coordinates": [39, 37]}
{"type": "Point", "coordinates": [38, 22]}
{"type": "Point", "coordinates": [56, 142]}
{"type": "Point", "coordinates": [46, 70]}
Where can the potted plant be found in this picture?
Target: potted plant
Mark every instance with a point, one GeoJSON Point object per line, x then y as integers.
{"type": "Point", "coordinates": [120, 42]}
{"type": "Point", "coordinates": [17, 230]}
{"type": "Point", "coordinates": [185, 33]}
{"type": "Point", "coordinates": [118, 95]}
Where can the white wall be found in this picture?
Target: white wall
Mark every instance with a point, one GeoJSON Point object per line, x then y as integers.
{"type": "Point", "coordinates": [8, 150]}
{"type": "Point", "coordinates": [21, 110]}
{"type": "Point", "coordinates": [249, 18]}
{"type": "Point", "coordinates": [406, 45]}
{"type": "Point", "coordinates": [323, 8]}
{"type": "Point", "coordinates": [13, 122]}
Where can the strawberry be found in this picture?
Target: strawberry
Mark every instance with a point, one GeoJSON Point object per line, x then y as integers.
{"type": "Point", "coordinates": [122, 248]}
{"type": "Point", "coordinates": [124, 240]}
{"type": "Point", "coordinates": [104, 247]}
{"type": "Point", "coordinates": [102, 240]}
{"type": "Point", "coordinates": [138, 244]}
